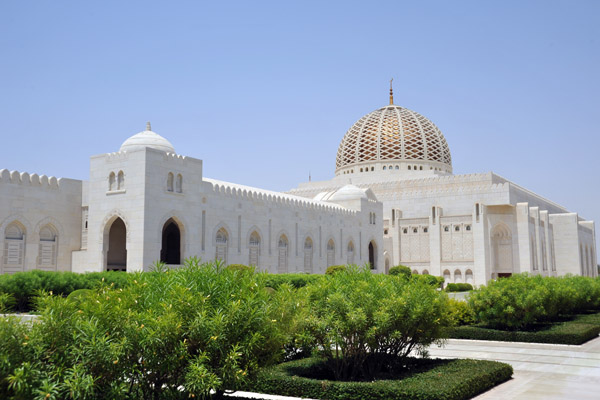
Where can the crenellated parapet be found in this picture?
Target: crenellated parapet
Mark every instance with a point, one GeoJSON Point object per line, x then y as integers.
{"type": "Point", "coordinates": [276, 199]}
{"type": "Point", "coordinates": [24, 178]}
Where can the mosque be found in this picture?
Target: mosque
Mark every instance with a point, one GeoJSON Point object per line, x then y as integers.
{"type": "Point", "coordinates": [393, 200]}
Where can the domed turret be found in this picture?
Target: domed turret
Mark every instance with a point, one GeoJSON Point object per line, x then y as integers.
{"type": "Point", "coordinates": [395, 137]}
{"type": "Point", "coordinates": [145, 139]}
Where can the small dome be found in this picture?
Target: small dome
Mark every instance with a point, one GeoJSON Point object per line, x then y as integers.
{"type": "Point", "coordinates": [348, 192]}
{"type": "Point", "coordinates": [393, 133]}
{"type": "Point", "coordinates": [147, 138]}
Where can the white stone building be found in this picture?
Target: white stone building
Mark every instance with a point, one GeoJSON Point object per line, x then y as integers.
{"type": "Point", "coordinates": [393, 200]}
{"type": "Point", "coordinates": [466, 228]}
{"type": "Point", "coordinates": [146, 203]}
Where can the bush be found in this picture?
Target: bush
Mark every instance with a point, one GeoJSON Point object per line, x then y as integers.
{"type": "Point", "coordinates": [25, 286]}
{"type": "Point", "coordinates": [7, 301]}
{"type": "Point", "coordinates": [170, 334]}
{"type": "Point", "coordinates": [400, 270]}
{"type": "Point", "coordinates": [519, 302]}
{"type": "Point", "coordinates": [239, 267]}
{"type": "Point", "coordinates": [460, 312]}
{"type": "Point", "coordinates": [431, 280]}
{"type": "Point", "coordinates": [357, 317]}
{"type": "Point", "coordinates": [295, 280]}
{"type": "Point", "coordinates": [575, 332]}
{"type": "Point", "coordinates": [332, 269]}
{"type": "Point", "coordinates": [424, 379]}
{"type": "Point", "coordinates": [458, 287]}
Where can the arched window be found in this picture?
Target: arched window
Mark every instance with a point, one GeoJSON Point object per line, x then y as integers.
{"type": "Point", "coordinates": [222, 240]}
{"type": "Point", "coordinates": [458, 276]}
{"type": "Point", "coordinates": [425, 272]}
{"type": "Point", "coordinates": [384, 167]}
{"type": "Point", "coordinates": [170, 179]}
{"type": "Point", "coordinates": [447, 276]}
{"type": "Point", "coordinates": [350, 253]}
{"type": "Point", "coordinates": [282, 246]}
{"type": "Point", "coordinates": [415, 272]}
{"type": "Point", "coordinates": [469, 276]}
{"type": "Point", "coordinates": [14, 248]}
{"type": "Point", "coordinates": [111, 182]}
{"type": "Point", "coordinates": [409, 167]}
{"type": "Point", "coordinates": [254, 249]}
{"type": "Point", "coordinates": [397, 167]}
{"type": "Point", "coordinates": [179, 184]}
{"type": "Point", "coordinates": [121, 181]}
{"type": "Point", "coordinates": [330, 253]}
{"type": "Point", "coordinates": [47, 248]}
{"type": "Point", "coordinates": [308, 255]}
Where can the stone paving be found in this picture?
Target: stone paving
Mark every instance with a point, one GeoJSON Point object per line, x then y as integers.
{"type": "Point", "coordinates": [541, 371]}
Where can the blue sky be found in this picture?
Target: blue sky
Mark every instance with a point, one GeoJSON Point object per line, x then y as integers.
{"type": "Point", "coordinates": [263, 92]}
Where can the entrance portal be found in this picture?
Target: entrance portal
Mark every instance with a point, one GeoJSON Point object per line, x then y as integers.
{"type": "Point", "coordinates": [170, 252]}
{"type": "Point", "coordinates": [116, 257]}
{"type": "Point", "coordinates": [372, 255]}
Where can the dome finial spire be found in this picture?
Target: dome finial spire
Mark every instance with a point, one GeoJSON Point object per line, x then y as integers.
{"type": "Point", "coordinates": [148, 127]}
{"type": "Point", "coordinates": [391, 93]}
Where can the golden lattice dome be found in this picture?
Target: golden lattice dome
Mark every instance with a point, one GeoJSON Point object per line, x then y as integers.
{"type": "Point", "coordinates": [397, 134]}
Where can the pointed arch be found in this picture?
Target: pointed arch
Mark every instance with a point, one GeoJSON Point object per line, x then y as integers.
{"type": "Point", "coordinates": [116, 251]}
{"type": "Point", "coordinates": [373, 254]}
{"type": "Point", "coordinates": [112, 182]}
{"type": "Point", "coordinates": [469, 276]}
{"type": "Point", "coordinates": [350, 250]}
{"type": "Point", "coordinates": [308, 255]}
{"type": "Point", "coordinates": [447, 276]}
{"type": "Point", "coordinates": [120, 181]}
{"type": "Point", "coordinates": [283, 245]}
{"type": "Point", "coordinates": [330, 252]}
{"type": "Point", "coordinates": [221, 239]}
{"type": "Point", "coordinates": [47, 247]}
{"type": "Point", "coordinates": [254, 243]}
{"type": "Point", "coordinates": [179, 184]}
{"type": "Point", "coordinates": [170, 180]}
{"type": "Point", "coordinates": [502, 249]}
{"type": "Point", "coordinates": [14, 247]}
{"type": "Point", "coordinates": [171, 242]}
{"type": "Point", "coordinates": [458, 276]}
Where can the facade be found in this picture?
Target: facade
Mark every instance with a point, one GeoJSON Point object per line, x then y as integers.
{"type": "Point", "coordinates": [393, 200]}
{"type": "Point", "coordinates": [466, 228]}
{"type": "Point", "coordinates": [147, 203]}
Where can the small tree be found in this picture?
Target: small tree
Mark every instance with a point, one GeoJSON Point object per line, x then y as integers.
{"type": "Point", "coordinates": [400, 270]}
{"type": "Point", "coordinates": [361, 320]}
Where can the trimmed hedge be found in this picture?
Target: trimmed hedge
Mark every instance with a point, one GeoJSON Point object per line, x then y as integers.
{"type": "Point", "coordinates": [400, 270]}
{"type": "Point", "coordinates": [577, 331]}
{"type": "Point", "coordinates": [25, 286]}
{"type": "Point", "coordinates": [332, 269]}
{"type": "Point", "coordinates": [458, 287]}
{"type": "Point", "coordinates": [426, 380]}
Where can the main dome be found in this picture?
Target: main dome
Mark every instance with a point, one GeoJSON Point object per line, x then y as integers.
{"type": "Point", "coordinates": [147, 138]}
{"type": "Point", "coordinates": [393, 134]}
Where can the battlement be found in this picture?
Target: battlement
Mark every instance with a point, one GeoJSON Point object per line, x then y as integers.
{"type": "Point", "coordinates": [276, 198]}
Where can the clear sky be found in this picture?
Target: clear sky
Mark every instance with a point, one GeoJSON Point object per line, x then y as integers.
{"type": "Point", "coordinates": [263, 92]}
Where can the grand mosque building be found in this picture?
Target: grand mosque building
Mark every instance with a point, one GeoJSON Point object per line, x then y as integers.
{"type": "Point", "coordinates": [393, 200]}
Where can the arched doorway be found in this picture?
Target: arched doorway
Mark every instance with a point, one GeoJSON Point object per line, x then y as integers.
{"type": "Point", "coordinates": [308, 256]}
{"type": "Point", "coordinates": [330, 253]}
{"type": "Point", "coordinates": [283, 254]}
{"type": "Point", "coordinates": [372, 255]}
{"type": "Point", "coordinates": [254, 249]}
{"type": "Point", "coordinates": [170, 252]}
{"type": "Point", "coordinates": [116, 256]}
{"type": "Point", "coordinates": [502, 257]}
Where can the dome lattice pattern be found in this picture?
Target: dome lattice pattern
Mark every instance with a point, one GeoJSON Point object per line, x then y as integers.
{"type": "Point", "coordinates": [393, 133]}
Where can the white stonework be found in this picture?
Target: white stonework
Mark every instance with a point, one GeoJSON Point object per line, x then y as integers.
{"type": "Point", "coordinates": [394, 200]}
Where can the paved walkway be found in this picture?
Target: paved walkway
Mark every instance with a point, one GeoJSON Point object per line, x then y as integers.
{"type": "Point", "coordinates": [541, 371]}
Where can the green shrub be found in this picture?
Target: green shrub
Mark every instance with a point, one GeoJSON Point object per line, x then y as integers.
{"type": "Point", "coordinates": [332, 269]}
{"type": "Point", "coordinates": [7, 302]}
{"type": "Point", "coordinates": [239, 267]}
{"type": "Point", "coordinates": [294, 280]}
{"type": "Point", "coordinates": [423, 379]}
{"type": "Point", "coordinates": [460, 312]}
{"type": "Point", "coordinates": [169, 334]}
{"type": "Point", "coordinates": [25, 286]}
{"type": "Point", "coordinates": [575, 332]}
{"type": "Point", "coordinates": [458, 287]}
{"type": "Point", "coordinates": [400, 270]}
{"type": "Point", "coordinates": [521, 301]}
{"type": "Point", "coordinates": [357, 317]}
{"type": "Point", "coordinates": [431, 280]}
